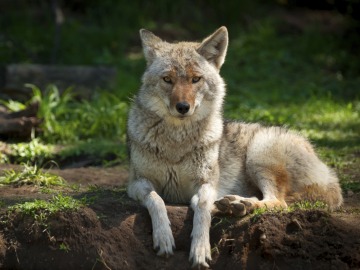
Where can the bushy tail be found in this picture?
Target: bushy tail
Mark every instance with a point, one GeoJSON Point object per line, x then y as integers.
{"type": "Point", "coordinates": [329, 194]}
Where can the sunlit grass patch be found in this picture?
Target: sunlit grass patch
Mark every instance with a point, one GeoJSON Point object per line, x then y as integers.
{"type": "Point", "coordinates": [31, 175]}
{"type": "Point", "coordinates": [66, 119]}
{"type": "Point", "coordinates": [40, 210]}
{"type": "Point", "coordinates": [85, 127]}
{"type": "Point", "coordinates": [299, 205]}
{"type": "Point", "coordinates": [34, 152]}
{"type": "Point", "coordinates": [330, 121]}
{"type": "Point", "coordinates": [58, 202]}
{"type": "Point", "coordinates": [306, 205]}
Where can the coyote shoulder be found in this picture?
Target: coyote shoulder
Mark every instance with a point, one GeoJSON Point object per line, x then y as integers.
{"type": "Point", "coordinates": [183, 151]}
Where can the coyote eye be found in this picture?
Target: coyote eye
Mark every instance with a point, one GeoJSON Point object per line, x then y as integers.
{"type": "Point", "coordinates": [167, 79]}
{"type": "Point", "coordinates": [196, 79]}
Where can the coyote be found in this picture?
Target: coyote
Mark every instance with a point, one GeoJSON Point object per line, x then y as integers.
{"type": "Point", "coordinates": [183, 151]}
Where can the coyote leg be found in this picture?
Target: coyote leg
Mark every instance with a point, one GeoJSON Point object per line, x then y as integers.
{"type": "Point", "coordinates": [202, 204]}
{"type": "Point", "coordinates": [163, 239]}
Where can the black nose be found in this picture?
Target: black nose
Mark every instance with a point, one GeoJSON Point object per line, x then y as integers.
{"type": "Point", "coordinates": [182, 107]}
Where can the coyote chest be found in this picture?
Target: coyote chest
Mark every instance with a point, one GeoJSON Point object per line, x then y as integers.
{"type": "Point", "coordinates": [175, 160]}
{"type": "Point", "coordinates": [176, 176]}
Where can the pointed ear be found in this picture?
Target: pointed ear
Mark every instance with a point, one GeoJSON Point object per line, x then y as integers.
{"type": "Point", "coordinates": [214, 47]}
{"type": "Point", "coordinates": [149, 43]}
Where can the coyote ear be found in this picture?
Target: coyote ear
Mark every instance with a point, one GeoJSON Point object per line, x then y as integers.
{"type": "Point", "coordinates": [149, 43]}
{"type": "Point", "coordinates": [214, 47]}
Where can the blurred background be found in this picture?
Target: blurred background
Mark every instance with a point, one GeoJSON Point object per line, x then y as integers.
{"type": "Point", "coordinates": [273, 41]}
{"type": "Point", "coordinates": [290, 62]}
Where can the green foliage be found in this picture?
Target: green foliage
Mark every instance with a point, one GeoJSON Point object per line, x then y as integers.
{"type": "Point", "coordinates": [13, 105]}
{"type": "Point", "coordinates": [300, 205]}
{"type": "Point", "coordinates": [104, 117]}
{"type": "Point", "coordinates": [350, 185]}
{"type": "Point", "coordinates": [268, 66]}
{"type": "Point", "coordinates": [53, 107]}
{"type": "Point", "coordinates": [3, 158]}
{"type": "Point", "coordinates": [34, 152]}
{"type": "Point", "coordinates": [40, 210]}
{"type": "Point", "coordinates": [68, 120]}
{"type": "Point", "coordinates": [261, 210]}
{"type": "Point", "coordinates": [93, 127]}
{"type": "Point", "coordinates": [31, 175]}
{"type": "Point", "coordinates": [307, 205]}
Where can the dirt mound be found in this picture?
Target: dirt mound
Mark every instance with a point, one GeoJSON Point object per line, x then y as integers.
{"type": "Point", "coordinates": [298, 240]}
{"type": "Point", "coordinates": [114, 232]}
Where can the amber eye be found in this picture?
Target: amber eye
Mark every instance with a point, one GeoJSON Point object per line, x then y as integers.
{"type": "Point", "coordinates": [196, 79]}
{"type": "Point", "coordinates": [167, 79]}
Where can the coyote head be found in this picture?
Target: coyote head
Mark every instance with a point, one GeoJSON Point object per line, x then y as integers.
{"type": "Point", "coordinates": [182, 79]}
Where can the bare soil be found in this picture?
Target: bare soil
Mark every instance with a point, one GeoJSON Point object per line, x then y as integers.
{"type": "Point", "coordinates": [114, 232]}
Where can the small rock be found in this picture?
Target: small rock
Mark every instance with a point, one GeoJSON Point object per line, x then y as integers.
{"type": "Point", "coordinates": [263, 236]}
{"type": "Point", "coordinates": [350, 193]}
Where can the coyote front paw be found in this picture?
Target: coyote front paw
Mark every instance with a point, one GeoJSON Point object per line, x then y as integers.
{"type": "Point", "coordinates": [234, 205]}
{"type": "Point", "coordinates": [200, 252]}
{"type": "Point", "coordinates": [163, 240]}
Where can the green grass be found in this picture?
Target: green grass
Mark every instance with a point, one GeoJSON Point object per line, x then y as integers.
{"type": "Point", "coordinates": [34, 152]}
{"type": "Point", "coordinates": [350, 185]}
{"type": "Point", "coordinates": [31, 175]}
{"type": "Point", "coordinates": [93, 127]}
{"type": "Point", "coordinates": [68, 120]}
{"type": "Point", "coordinates": [41, 210]}
{"type": "Point", "coordinates": [300, 205]}
{"type": "Point", "coordinates": [306, 205]}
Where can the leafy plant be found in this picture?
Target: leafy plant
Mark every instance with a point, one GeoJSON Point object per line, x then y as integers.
{"type": "Point", "coordinates": [31, 175]}
{"type": "Point", "coordinates": [68, 120]}
{"type": "Point", "coordinates": [34, 152]}
{"type": "Point", "coordinates": [103, 117]}
{"type": "Point", "coordinates": [13, 105]}
{"type": "Point", "coordinates": [3, 158]}
{"type": "Point", "coordinates": [53, 107]}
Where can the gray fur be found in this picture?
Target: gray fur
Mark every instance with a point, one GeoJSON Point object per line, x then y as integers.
{"type": "Point", "coordinates": [198, 157]}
